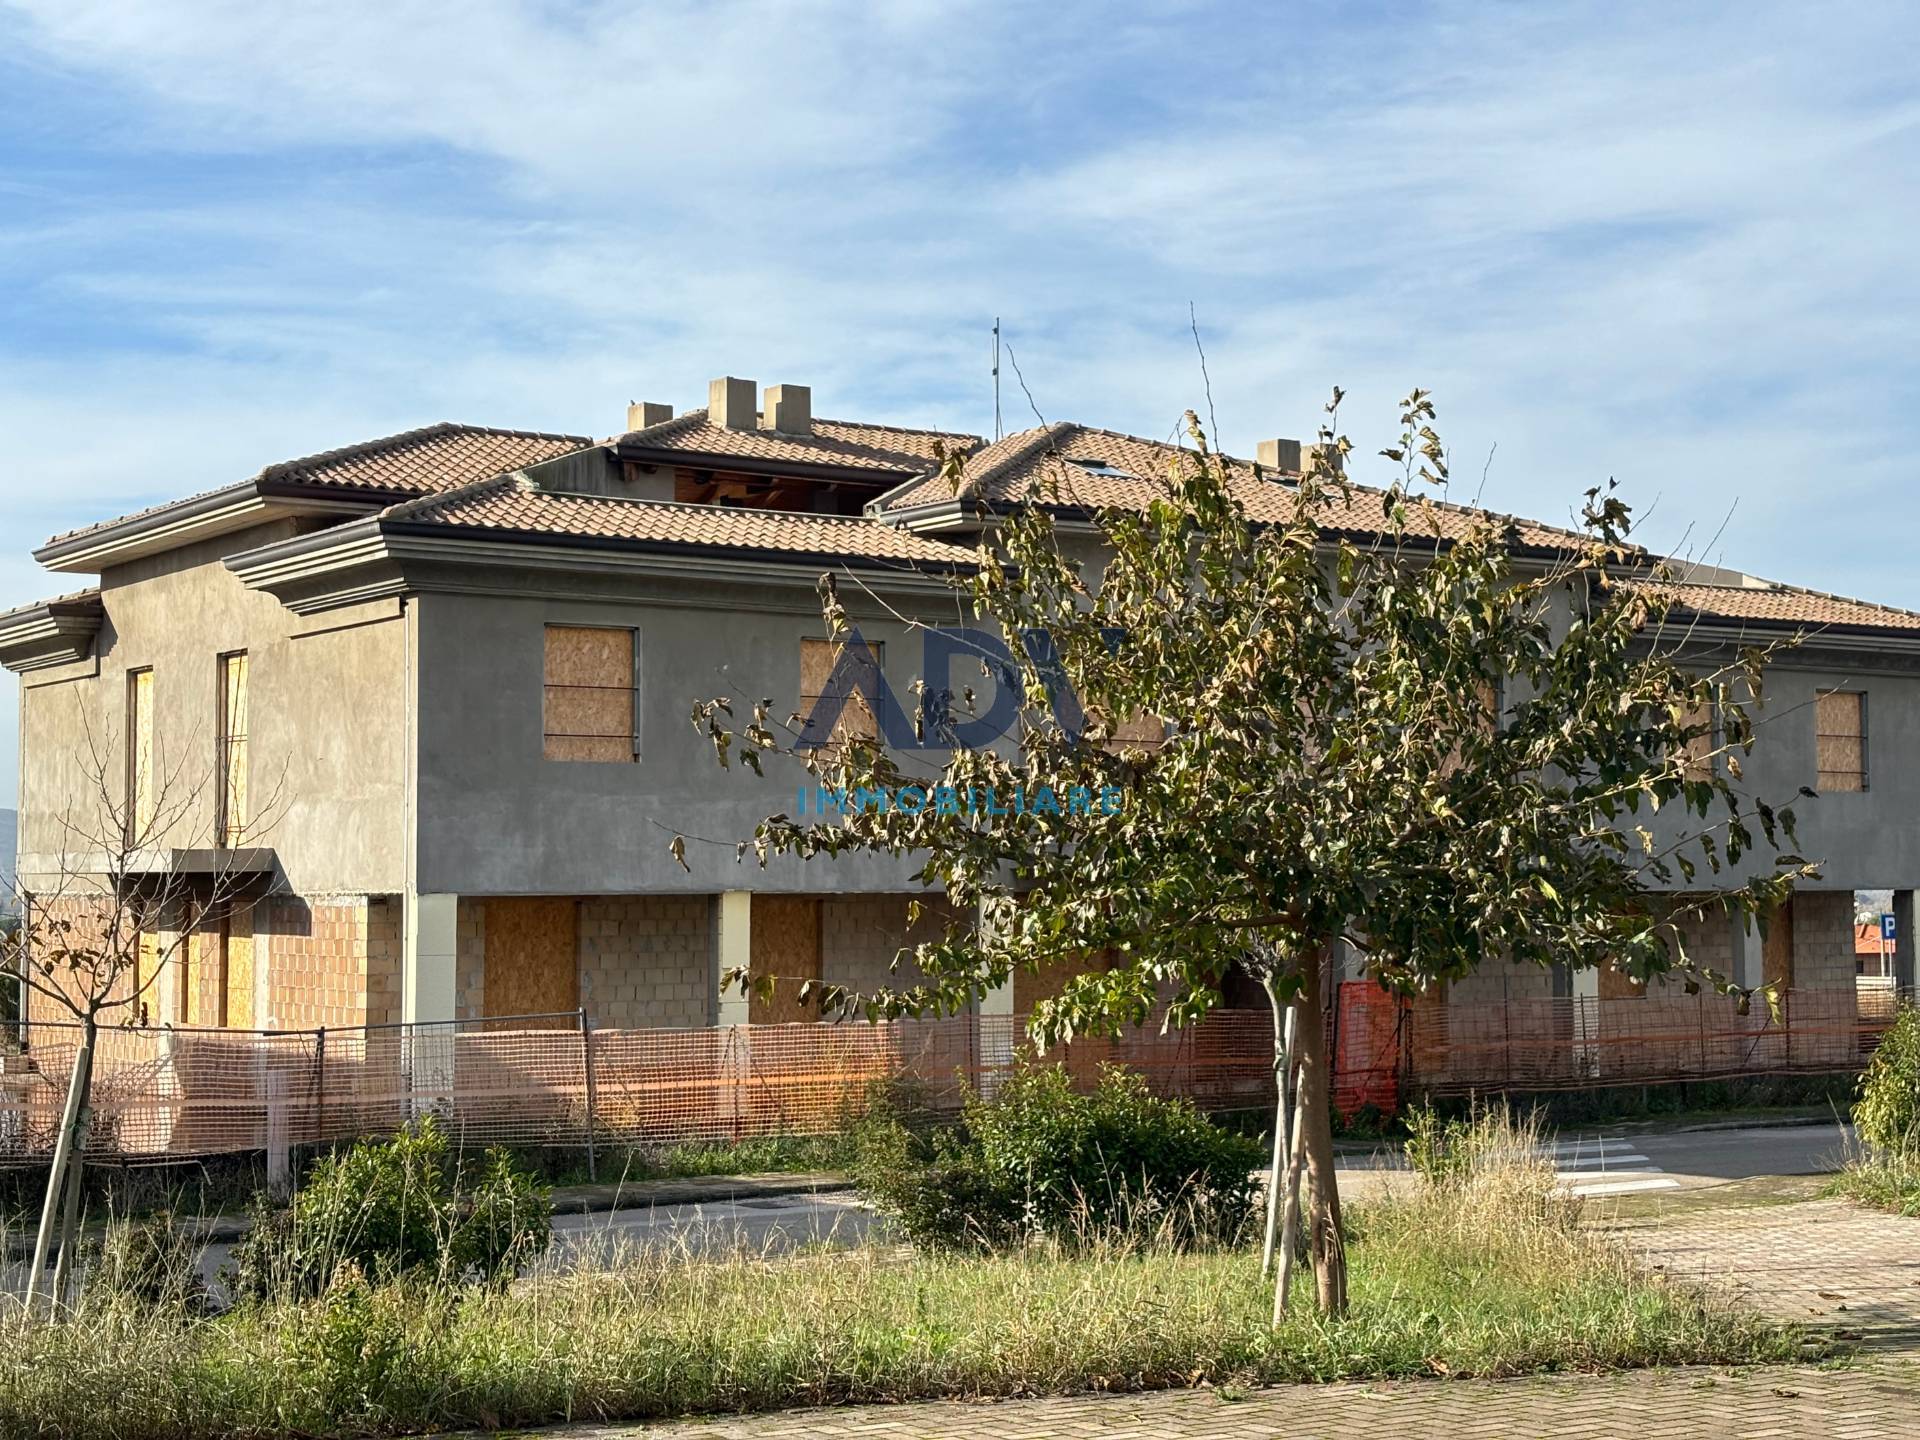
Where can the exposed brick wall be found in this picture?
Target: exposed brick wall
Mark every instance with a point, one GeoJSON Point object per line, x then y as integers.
{"type": "Point", "coordinates": [385, 954]}
{"type": "Point", "coordinates": [646, 961]}
{"type": "Point", "coordinates": [470, 960]}
{"type": "Point", "coordinates": [861, 934]}
{"type": "Point", "coordinates": [332, 961]}
{"type": "Point", "coordinates": [78, 923]}
{"type": "Point", "coordinates": [1823, 940]}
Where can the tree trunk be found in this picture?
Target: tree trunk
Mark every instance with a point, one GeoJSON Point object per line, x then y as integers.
{"type": "Point", "coordinates": [76, 1174]}
{"type": "Point", "coordinates": [1290, 1227]}
{"type": "Point", "coordinates": [77, 1085]}
{"type": "Point", "coordinates": [1326, 1238]}
{"type": "Point", "coordinates": [1282, 1106]}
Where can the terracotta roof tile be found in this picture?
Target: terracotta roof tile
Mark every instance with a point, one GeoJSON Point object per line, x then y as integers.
{"type": "Point", "coordinates": [434, 458]}
{"type": "Point", "coordinates": [884, 449]}
{"type": "Point", "coordinates": [505, 505]}
{"type": "Point", "coordinates": [416, 462]}
{"type": "Point", "coordinates": [1781, 606]}
{"type": "Point", "coordinates": [1078, 466]}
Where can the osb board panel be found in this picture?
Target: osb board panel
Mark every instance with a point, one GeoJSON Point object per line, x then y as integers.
{"type": "Point", "coordinates": [206, 974]}
{"type": "Point", "coordinates": [856, 718]}
{"type": "Point", "coordinates": [1840, 740]}
{"type": "Point", "coordinates": [532, 964]}
{"type": "Point", "coordinates": [589, 694]}
{"type": "Point", "coordinates": [785, 945]}
{"type": "Point", "coordinates": [1777, 950]}
{"type": "Point", "coordinates": [1616, 986]}
{"type": "Point", "coordinates": [239, 970]}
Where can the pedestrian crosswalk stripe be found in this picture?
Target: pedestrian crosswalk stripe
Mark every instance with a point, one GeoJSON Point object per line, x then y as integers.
{"type": "Point", "coordinates": [1604, 1165]}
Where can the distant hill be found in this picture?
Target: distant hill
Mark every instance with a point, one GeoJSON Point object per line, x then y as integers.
{"type": "Point", "coordinates": [9, 823]}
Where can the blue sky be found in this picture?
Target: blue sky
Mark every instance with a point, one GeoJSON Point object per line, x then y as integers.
{"type": "Point", "coordinates": [1672, 244]}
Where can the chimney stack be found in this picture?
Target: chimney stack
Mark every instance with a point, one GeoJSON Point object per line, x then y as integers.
{"type": "Point", "coordinates": [789, 409]}
{"type": "Point", "coordinates": [730, 404]}
{"type": "Point", "coordinates": [1281, 455]}
{"type": "Point", "coordinates": [1328, 452]}
{"type": "Point", "coordinates": [643, 414]}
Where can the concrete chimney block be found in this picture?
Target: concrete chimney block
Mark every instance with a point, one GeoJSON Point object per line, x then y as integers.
{"type": "Point", "coordinates": [1329, 452]}
{"type": "Point", "coordinates": [643, 414]}
{"type": "Point", "coordinates": [730, 403]}
{"type": "Point", "coordinates": [1282, 455]}
{"type": "Point", "coordinates": [789, 409]}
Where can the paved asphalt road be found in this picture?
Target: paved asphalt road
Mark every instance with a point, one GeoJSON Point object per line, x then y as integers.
{"type": "Point", "coordinates": [1619, 1161]}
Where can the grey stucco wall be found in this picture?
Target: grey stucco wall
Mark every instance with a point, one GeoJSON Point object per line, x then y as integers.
{"type": "Point", "coordinates": [327, 728]}
{"type": "Point", "coordinates": [1861, 840]}
{"type": "Point", "coordinates": [495, 817]}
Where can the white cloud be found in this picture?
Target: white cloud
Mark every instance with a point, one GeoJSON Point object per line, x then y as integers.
{"type": "Point", "coordinates": [1657, 243]}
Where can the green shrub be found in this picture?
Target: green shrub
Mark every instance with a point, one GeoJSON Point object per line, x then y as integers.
{"type": "Point", "coordinates": [403, 1206]}
{"type": "Point", "coordinates": [1888, 1110]}
{"type": "Point", "coordinates": [1439, 1148]}
{"type": "Point", "coordinates": [149, 1262]}
{"type": "Point", "coordinates": [1038, 1161]}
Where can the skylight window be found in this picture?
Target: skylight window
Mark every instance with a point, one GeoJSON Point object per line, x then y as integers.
{"type": "Point", "coordinates": [1102, 469]}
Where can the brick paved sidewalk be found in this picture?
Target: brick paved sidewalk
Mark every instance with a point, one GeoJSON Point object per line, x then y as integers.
{"type": "Point", "coordinates": [1644, 1405]}
{"type": "Point", "coordinates": [1824, 1262]}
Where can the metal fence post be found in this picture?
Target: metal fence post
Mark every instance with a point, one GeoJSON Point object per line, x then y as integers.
{"type": "Point", "coordinates": [320, 1085]}
{"type": "Point", "coordinates": [586, 1065]}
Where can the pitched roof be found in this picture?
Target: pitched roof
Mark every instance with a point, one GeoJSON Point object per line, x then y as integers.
{"type": "Point", "coordinates": [432, 458]}
{"type": "Point", "coordinates": [504, 507]}
{"type": "Point", "coordinates": [414, 462]}
{"type": "Point", "coordinates": [886, 450]}
{"type": "Point", "coordinates": [1071, 466]}
{"type": "Point", "coordinates": [1781, 607]}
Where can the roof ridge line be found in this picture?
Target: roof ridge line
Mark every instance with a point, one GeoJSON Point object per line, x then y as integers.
{"type": "Point", "coordinates": [406, 509]}
{"type": "Point", "coordinates": [641, 500]}
{"type": "Point", "coordinates": [388, 442]}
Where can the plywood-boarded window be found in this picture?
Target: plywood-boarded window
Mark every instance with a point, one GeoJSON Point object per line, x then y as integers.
{"type": "Point", "coordinates": [860, 679]}
{"type": "Point", "coordinates": [232, 748]}
{"type": "Point", "coordinates": [589, 699]}
{"type": "Point", "coordinates": [142, 799]}
{"type": "Point", "coordinates": [236, 1009]}
{"type": "Point", "coordinates": [1840, 740]}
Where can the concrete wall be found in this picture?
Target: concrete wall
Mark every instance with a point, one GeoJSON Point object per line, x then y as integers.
{"type": "Point", "coordinates": [1861, 841]}
{"type": "Point", "coordinates": [497, 818]}
{"type": "Point", "coordinates": [327, 728]}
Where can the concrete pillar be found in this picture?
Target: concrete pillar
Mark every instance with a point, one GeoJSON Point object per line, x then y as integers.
{"type": "Point", "coordinates": [1749, 951]}
{"type": "Point", "coordinates": [1903, 949]}
{"type": "Point", "coordinates": [427, 968]}
{"type": "Point", "coordinates": [732, 950]}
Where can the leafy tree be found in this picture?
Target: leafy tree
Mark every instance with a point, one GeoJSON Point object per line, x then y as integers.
{"type": "Point", "coordinates": [1390, 727]}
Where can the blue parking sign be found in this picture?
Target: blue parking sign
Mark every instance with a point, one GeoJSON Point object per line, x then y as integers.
{"type": "Point", "coordinates": [1889, 928]}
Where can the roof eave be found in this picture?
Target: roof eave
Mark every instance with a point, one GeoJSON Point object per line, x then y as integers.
{"type": "Point", "coordinates": [59, 632]}
{"type": "Point", "coordinates": [381, 558]}
{"type": "Point", "coordinates": [810, 560]}
{"type": "Point", "coordinates": [205, 517]}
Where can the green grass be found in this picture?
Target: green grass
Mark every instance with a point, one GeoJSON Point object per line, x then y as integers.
{"type": "Point", "coordinates": [1491, 1275]}
{"type": "Point", "coordinates": [1885, 1180]}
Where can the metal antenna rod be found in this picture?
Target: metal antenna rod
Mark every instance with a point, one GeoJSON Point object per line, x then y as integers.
{"type": "Point", "coordinates": [996, 377]}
